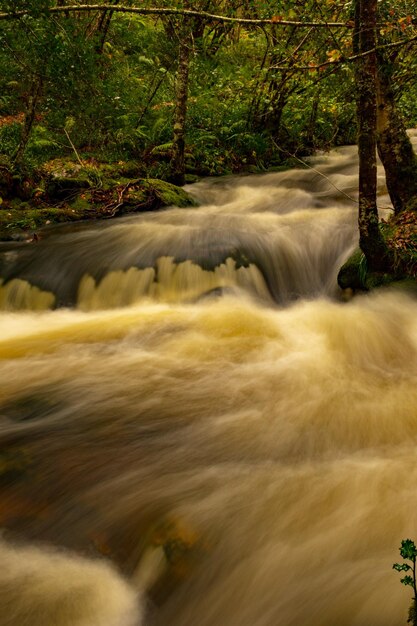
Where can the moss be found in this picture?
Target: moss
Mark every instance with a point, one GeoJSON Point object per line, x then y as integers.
{"type": "Point", "coordinates": [81, 205]}
{"type": "Point", "coordinates": [412, 205]}
{"type": "Point", "coordinates": [353, 272]}
{"type": "Point", "coordinates": [130, 169]}
{"type": "Point", "coordinates": [400, 237]}
{"type": "Point", "coordinates": [21, 223]}
{"type": "Point", "coordinates": [166, 193]}
{"type": "Point", "coordinates": [400, 234]}
{"type": "Point", "coordinates": [191, 178]}
{"type": "Point", "coordinates": [379, 279]}
{"type": "Point", "coordinates": [135, 199]}
{"type": "Point", "coordinates": [62, 188]}
{"type": "Point", "coordinates": [95, 191]}
{"type": "Point", "coordinates": [354, 275]}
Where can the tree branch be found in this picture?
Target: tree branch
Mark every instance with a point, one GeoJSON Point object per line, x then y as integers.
{"type": "Point", "coordinates": [173, 11]}
{"type": "Point", "coordinates": [354, 57]}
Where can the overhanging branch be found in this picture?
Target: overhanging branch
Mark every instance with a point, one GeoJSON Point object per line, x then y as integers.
{"type": "Point", "coordinates": [10, 15]}
{"type": "Point", "coordinates": [342, 59]}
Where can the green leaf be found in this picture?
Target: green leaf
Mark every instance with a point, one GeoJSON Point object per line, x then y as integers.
{"type": "Point", "coordinates": [401, 567]}
{"type": "Point", "coordinates": [407, 580]}
{"type": "Point", "coordinates": [408, 549]}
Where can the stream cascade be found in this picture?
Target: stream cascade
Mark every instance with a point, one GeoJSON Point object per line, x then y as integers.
{"type": "Point", "coordinates": [196, 428]}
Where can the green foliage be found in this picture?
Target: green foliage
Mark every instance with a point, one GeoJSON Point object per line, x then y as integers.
{"type": "Point", "coordinates": [400, 234]}
{"type": "Point", "coordinates": [401, 567]}
{"type": "Point", "coordinates": [117, 88]}
{"type": "Point", "coordinates": [408, 552]}
{"type": "Point", "coordinates": [9, 137]}
{"type": "Point", "coordinates": [408, 549]}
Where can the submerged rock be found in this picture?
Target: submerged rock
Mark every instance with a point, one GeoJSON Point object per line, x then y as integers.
{"type": "Point", "coordinates": [14, 464]}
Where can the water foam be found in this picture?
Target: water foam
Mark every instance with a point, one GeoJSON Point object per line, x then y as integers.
{"type": "Point", "coordinates": [43, 587]}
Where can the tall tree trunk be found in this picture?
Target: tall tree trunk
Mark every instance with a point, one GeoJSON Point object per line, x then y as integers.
{"type": "Point", "coordinates": [30, 113]}
{"type": "Point", "coordinates": [312, 122]}
{"type": "Point", "coordinates": [370, 239]}
{"type": "Point", "coordinates": [180, 113]}
{"type": "Point", "coordinates": [394, 146]}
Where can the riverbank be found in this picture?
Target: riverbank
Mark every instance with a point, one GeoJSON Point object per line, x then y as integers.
{"type": "Point", "coordinates": [400, 237]}
{"type": "Point", "coordinates": [64, 191]}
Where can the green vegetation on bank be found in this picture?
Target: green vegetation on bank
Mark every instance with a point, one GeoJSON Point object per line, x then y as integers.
{"type": "Point", "coordinates": [399, 234]}
{"type": "Point", "coordinates": [67, 191]}
{"type": "Point", "coordinates": [89, 106]}
{"type": "Point", "coordinates": [112, 93]}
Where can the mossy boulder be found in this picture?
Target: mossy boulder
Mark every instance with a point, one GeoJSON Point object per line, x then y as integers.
{"type": "Point", "coordinates": [166, 194]}
{"type": "Point", "coordinates": [64, 180]}
{"type": "Point", "coordinates": [129, 169]}
{"type": "Point", "coordinates": [19, 223]}
{"type": "Point", "coordinates": [352, 273]}
{"type": "Point", "coordinates": [64, 188]}
{"type": "Point", "coordinates": [143, 194]}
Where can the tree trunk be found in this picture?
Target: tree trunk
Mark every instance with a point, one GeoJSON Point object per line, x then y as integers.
{"type": "Point", "coordinates": [394, 146]}
{"type": "Point", "coordinates": [30, 113]}
{"type": "Point", "coordinates": [312, 123]}
{"type": "Point", "coordinates": [180, 113]}
{"type": "Point", "coordinates": [370, 239]}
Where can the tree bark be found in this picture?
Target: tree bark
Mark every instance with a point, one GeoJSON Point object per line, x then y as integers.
{"type": "Point", "coordinates": [30, 114]}
{"type": "Point", "coordinates": [180, 113]}
{"type": "Point", "coordinates": [394, 146]}
{"type": "Point", "coordinates": [370, 239]}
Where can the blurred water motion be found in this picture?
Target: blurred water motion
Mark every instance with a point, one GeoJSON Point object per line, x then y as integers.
{"type": "Point", "coordinates": [207, 416]}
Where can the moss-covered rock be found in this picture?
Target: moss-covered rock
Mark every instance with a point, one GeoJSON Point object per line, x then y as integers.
{"type": "Point", "coordinates": [64, 179]}
{"type": "Point", "coordinates": [353, 272]}
{"type": "Point", "coordinates": [68, 190]}
{"type": "Point", "coordinates": [110, 198]}
{"type": "Point", "coordinates": [380, 279]}
{"type": "Point", "coordinates": [61, 188]}
{"type": "Point", "coordinates": [20, 223]}
{"type": "Point", "coordinates": [165, 193]}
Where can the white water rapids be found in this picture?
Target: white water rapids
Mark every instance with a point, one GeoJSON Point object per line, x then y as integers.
{"type": "Point", "coordinates": [204, 433]}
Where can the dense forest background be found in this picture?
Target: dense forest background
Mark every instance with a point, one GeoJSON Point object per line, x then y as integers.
{"type": "Point", "coordinates": [105, 84]}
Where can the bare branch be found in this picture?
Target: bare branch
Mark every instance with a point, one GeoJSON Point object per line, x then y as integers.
{"type": "Point", "coordinates": [354, 57]}
{"type": "Point", "coordinates": [173, 11]}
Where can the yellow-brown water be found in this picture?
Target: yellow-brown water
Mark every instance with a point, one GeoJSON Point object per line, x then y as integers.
{"type": "Point", "coordinates": [206, 441]}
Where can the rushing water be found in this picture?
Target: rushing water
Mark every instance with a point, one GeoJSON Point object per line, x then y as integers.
{"type": "Point", "coordinates": [203, 432]}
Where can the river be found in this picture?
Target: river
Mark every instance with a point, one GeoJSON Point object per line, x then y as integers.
{"type": "Point", "coordinates": [196, 428]}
